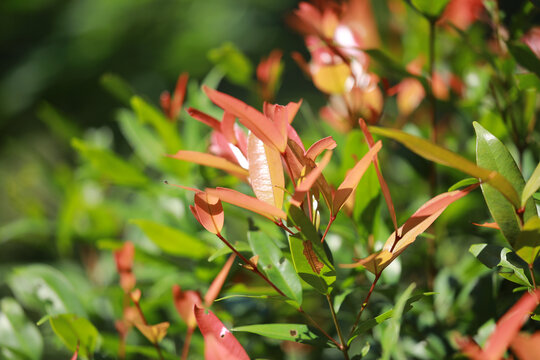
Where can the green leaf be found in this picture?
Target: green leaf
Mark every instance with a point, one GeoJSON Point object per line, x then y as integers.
{"type": "Point", "coordinates": [463, 183]}
{"type": "Point", "coordinates": [234, 64]}
{"type": "Point", "coordinates": [390, 335]}
{"type": "Point", "coordinates": [118, 87]}
{"type": "Point", "coordinates": [61, 126]}
{"type": "Point", "coordinates": [435, 153]}
{"type": "Point", "coordinates": [528, 81]}
{"type": "Point", "coordinates": [430, 8]}
{"type": "Point", "coordinates": [493, 155]}
{"type": "Point", "coordinates": [278, 269]}
{"type": "Point", "coordinates": [289, 332]}
{"type": "Point", "coordinates": [72, 330]}
{"type": "Point", "coordinates": [44, 289]}
{"type": "Point", "coordinates": [508, 264]}
{"type": "Point", "coordinates": [172, 241]}
{"type": "Point", "coordinates": [531, 186]}
{"type": "Point", "coordinates": [367, 325]}
{"type": "Point", "coordinates": [525, 57]}
{"type": "Point", "coordinates": [310, 257]}
{"type": "Point", "coordinates": [18, 336]}
{"type": "Point", "coordinates": [528, 242]}
{"type": "Point", "coordinates": [110, 166]}
{"type": "Point", "coordinates": [166, 130]}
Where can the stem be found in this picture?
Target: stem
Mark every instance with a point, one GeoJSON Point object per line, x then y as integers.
{"type": "Point", "coordinates": [156, 345]}
{"type": "Point", "coordinates": [365, 303]}
{"type": "Point", "coordinates": [187, 341]}
{"type": "Point", "coordinates": [532, 275]}
{"type": "Point", "coordinates": [251, 264]}
{"type": "Point", "coordinates": [332, 218]}
{"type": "Point", "coordinates": [318, 327]}
{"type": "Point", "coordinates": [343, 346]}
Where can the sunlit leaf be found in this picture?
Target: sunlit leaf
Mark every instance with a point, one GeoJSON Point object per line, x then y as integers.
{"type": "Point", "coordinates": [328, 143]}
{"type": "Point", "coordinates": [219, 343]}
{"type": "Point", "coordinates": [462, 183]}
{"type": "Point", "coordinates": [307, 182]}
{"type": "Point", "coordinates": [492, 154]}
{"type": "Point", "coordinates": [154, 333]}
{"type": "Point", "coordinates": [18, 335]}
{"type": "Point", "coordinates": [528, 242]}
{"type": "Point", "coordinates": [278, 269]}
{"type": "Point", "coordinates": [265, 172]}
{"type": "Point", "coordinates": [75, 332]}
{"type": "Point", "coordinates": [288, 332]}
{"type": "Point", "coordinates": [172, 241]}
{"type": "Point", "coordinates": [435, 153]}
{"type": "Point", "coordinates": [532, 185]}
{"type": "Point", "coordinates": [247, 202]}
{"type": "Point", "coordinates": [208, 211]}
{"type": "Point", "coordinates": [432, 8]}
{"type": "Point", "coordinates": [310, 258]}
{"type": "Point", "coordinates": [331, 78]}
{"type": "Point", "coordinates": [210, 160]}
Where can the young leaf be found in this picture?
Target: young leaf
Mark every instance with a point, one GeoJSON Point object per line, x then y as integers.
{"type": "Point", "coordinates": [247, 202]}
{"type": "Point", "coordinates": [328, 143]}
{"type": "Point", "coordinates": [265, 172]}
{"type": "Point", "coordinates": [18, 335]}
{"type": "Point", "coordinates": [528, 242]}
{"type": "Point", "coordinates": [154, 333]}
{"type": "Point", "coordinates": [210, 160]}
{"type": "Point", "coordinates": [308, 181]}
{"type": "Point", "coordinates": [75, 332]}
{"type": "Point", "coordinates": [352, 178]}
{"type": "Point", "coordinates": [435, 153]}
{"type": "Point", "coordinates": [278, 269]}
{"type": "Point", "coordinates": [205, 119]}
{"type": "Point", "coordinates": [219, 343]}
{"type": "Point", "coordinates": [260, 125]}
{"type": "Point", "coordinates": [208, 211]}
{"type": "Point", "coordinates": [172, 241]}
{"type": "Point", "coordinates": [288, 332]}
{"type": "Point", "coordinates": [310, 257]}
{"type": "Point", "coordinates": [219, 280]}
{"type": "Point", "coordinates": [419, 222]}
{"type": "Point", "coordinates": [184, 301]}
{"type": "Point", "coordinates": [331, 78]}
{"type": "Point", "coordinates": [531, 186]}
{"type": "Point", "coordinates": [493, 155]}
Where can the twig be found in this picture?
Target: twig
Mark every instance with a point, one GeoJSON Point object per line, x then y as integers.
{"type": "Point", "coordinates": [364, 303]}
{"type": "Point", "coordinates": [344, 348]}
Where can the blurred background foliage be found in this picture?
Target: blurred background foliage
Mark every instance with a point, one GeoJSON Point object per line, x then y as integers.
{"type": "Point", "coordinates": [81, 170]}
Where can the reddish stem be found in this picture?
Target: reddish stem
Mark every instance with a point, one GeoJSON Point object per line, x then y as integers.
{"type": "Point", "coordinates": [365, 303]}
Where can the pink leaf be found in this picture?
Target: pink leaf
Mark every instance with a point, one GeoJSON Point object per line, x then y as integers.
{"type": "Point", "coordinates": [219, 343]}
{"type": "Point", "coordinates": [184, 301]}
{"type": "Point", "coordinates": [247, 202]}
{"type": "Point", "coordinates": [217, 284]}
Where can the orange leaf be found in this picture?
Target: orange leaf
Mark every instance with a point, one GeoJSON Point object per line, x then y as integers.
{"type": "Point", "coordinates": [178, 96]}
{"type": "Point", "coordinates": [247, 202]}
{"type": "Point", "coordinates": [217, 284]}
{"type": "Point", "coordinates": [354, 175]}
{"type": "Point", "coordinates": [491, 225]}
{"type": "Point", "coordinates": [410, 95]}
{"type": "Point", "coordinates": [307, 182]}
{"type": "Point", "coordinates": [124, 257]}
{"type": "Point", "coordinates": [527, 347]}
{"type": "Point", "coordinates": [184, 301]}
{"type": "Point", "coordinates": [328, 143]}
{"type": "Point", "coordinates": [265, 172]}
{"type": "Point", "coordinates": [210, 160]}
{"type": "Point", "coordinates": [260, 125]}
{"type": "Point", "coordinates": [384, 187]}
{"type": "Point", "coordinates": [154, 333]}
{"type": "Point", "coordinates": [209, 212]}
{"type": "Point", "coordinates": [205, 118]}
{"type": "Point", "coordinates": [227, 127]}
{"type": "Point", "coordinates": [219, 343]}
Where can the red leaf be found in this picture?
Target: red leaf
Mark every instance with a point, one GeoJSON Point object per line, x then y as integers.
{"type": "Point", "coordinates": [260, 125]}
{"type": "Point", "coordinates": [124, 264]}
{"type": "Point", "coordinates": [219, 343]}
{"type": "Point", "coordinates": [184, 301]}
{"type": "Point", "coordinates": [217, 284]}
{"type": "Point", "coordinates": [384, 187]}
{"type": "Point", "coordinates": [178, 96]}
{"type": "Point", "coordinates": [247, 202]}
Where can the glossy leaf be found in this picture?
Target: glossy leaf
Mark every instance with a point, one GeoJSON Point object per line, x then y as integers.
{"type": "Point", "coordinates": [462, 183]}
{"type": "Point", "coordinates": [532, 185]}
{"type": "Point", "coordinates": [288, 332]}
{"type": "Point", "coordinates": [507, 263]}
{"type": "Point", "coordinates": [110, 166]}
{"type": "Point", "coordinates": [278, 269]}
{"type": "Point", "coordinates": [45, 289]}
{"type": "Point", "coordinates": [172, 241]}
{"type": "Point", "coordinates": [309, 255]}
{"type": "Point", "coordinates": [265, 172]}
{"type": "Point", "coordinates": [75, 332]}
{"type": "Point", "coordinates": [247, 202]}
{"type": "Point", "coordinates": [210, 160]}
{"type": "Point", "coordinates": [528, 242]}
{"type": "Point", "coordinates": [493, 155]}
{"type": "Point", "coordinates": [214, 289]}
{"type": "Point", "coordinates": [260, 125]}
{"type": "Point", "coordinates": [208, 211]}
{"type": "Point", "coordinates": [18, 335]}
{"type": "Point", "coordinates": [435, 153]}
{"type": "Point", "coordinates": [419, 222]}
{"type": "Point", "coordinates": [352, 178]}
{"type": "Point", "coordinates": [219, 343]}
